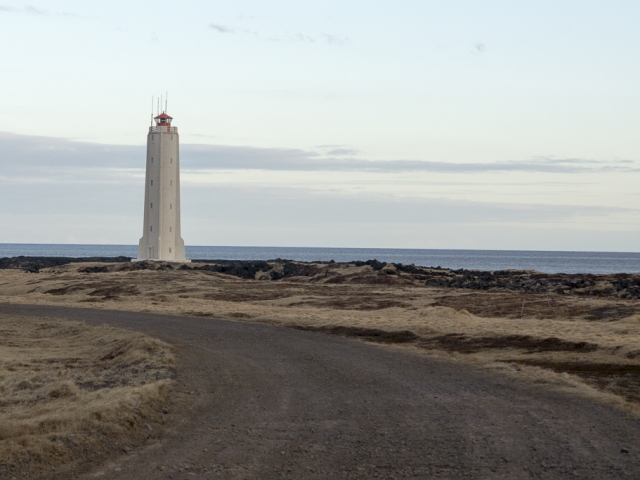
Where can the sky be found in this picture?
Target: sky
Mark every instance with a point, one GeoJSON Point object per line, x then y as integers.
{"type": "Point", "coordinates": [406, 124]}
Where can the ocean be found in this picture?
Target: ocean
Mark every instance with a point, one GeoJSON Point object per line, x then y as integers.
{"type": "Point", "coordinates": [548, 262]}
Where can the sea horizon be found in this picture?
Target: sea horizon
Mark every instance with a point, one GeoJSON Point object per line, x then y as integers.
{"type": "Point", "coordinates": [547, 261]}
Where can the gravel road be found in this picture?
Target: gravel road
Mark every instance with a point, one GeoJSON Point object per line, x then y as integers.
{"type": "Point", "coordinates": [270, 402]}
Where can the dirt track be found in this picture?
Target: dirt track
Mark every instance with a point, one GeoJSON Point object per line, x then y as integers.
{"type": "Point", "coordinates": [256, 401]}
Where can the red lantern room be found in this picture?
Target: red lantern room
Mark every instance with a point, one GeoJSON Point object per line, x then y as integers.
{"type": "Point", "coordinates": [163, 120]}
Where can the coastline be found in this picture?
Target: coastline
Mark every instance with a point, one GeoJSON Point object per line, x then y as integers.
{"type": "Point", "coordinates": [597, 262]}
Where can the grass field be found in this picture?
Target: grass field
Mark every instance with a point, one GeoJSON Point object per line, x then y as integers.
{"type": "Point", "coordinates": [71, 394]}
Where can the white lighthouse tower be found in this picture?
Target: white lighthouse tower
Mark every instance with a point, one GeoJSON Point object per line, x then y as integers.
{"type": "Point", "coordinates": [161, 238]}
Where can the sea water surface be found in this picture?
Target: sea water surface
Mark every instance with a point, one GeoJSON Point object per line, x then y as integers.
{"type": "Point", "coordinates": [542, 261]}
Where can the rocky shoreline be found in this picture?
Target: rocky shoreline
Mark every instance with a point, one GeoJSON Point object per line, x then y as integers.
{"type": "Point", "coordinates": [620, 285]}
{"type": "Point", "coordinates": [34, 264]}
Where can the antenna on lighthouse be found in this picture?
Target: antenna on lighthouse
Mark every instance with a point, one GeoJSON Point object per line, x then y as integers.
{"type": "Point", "coordinates": [166, 101]}
{"type": "Point", "coordinates": [158, 107]}
{"type": "Point", "coordinates": [152, 110]}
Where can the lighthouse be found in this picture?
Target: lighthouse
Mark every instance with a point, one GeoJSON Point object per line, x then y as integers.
{"type": "Point", "coordinates": [161, 239]}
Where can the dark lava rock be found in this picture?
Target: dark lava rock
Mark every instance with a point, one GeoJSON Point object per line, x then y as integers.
{"type": "Point", "coordinates": [237, 268]}
{"type": "Point", "coordinates": [34, 264]}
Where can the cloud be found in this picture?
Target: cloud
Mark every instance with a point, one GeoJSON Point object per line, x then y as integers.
{"type": "Point", "coordinates": [254, 215]}
{"type": "Point", "coordinates": [335, 40]}
{"type": "Point", "coordinates": [33, 10]}
{"type": "Point", "coordinates": [338, 150]}
{"type": "Point", "coordinates": [302, 207]}
{"type": "Point", "coordinates": [342, 151]}
{"type": "Point", "coordinates": [24, 152]}
{"type": "Point", "coordinates": [55, 187]}
{"type": "Point", "coordinates": [251, 158]}
{"type": "Point", "coordinates": [255, 205]}
{"type": "Point", "coordinates": [304, 38]}
{"type": "Point", "coordinates": [283, 37]}
{"type": "Point", "coordinates": [221, 28]}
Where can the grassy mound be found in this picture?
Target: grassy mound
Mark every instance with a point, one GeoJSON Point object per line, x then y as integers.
{"type": "Point", "coordinates": [71, 394]}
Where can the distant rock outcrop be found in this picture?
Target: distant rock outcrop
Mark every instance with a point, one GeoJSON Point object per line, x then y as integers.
{"type": "Point", "coordinates": [34, 264]}
{"type": "Point", "coordinates": [373, 272]}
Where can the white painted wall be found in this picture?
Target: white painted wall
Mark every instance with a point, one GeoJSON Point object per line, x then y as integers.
{"type": "Point", "coordinates": [161, 236]}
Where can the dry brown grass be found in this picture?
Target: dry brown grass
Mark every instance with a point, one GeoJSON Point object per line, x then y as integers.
{"type": "Point", "coordinates": [70, 393]}
{"type": "Point", "coordinates": [589, 345]}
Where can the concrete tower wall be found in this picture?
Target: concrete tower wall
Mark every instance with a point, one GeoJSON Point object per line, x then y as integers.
{"type": "Point", "coordinates": [161, 237]}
